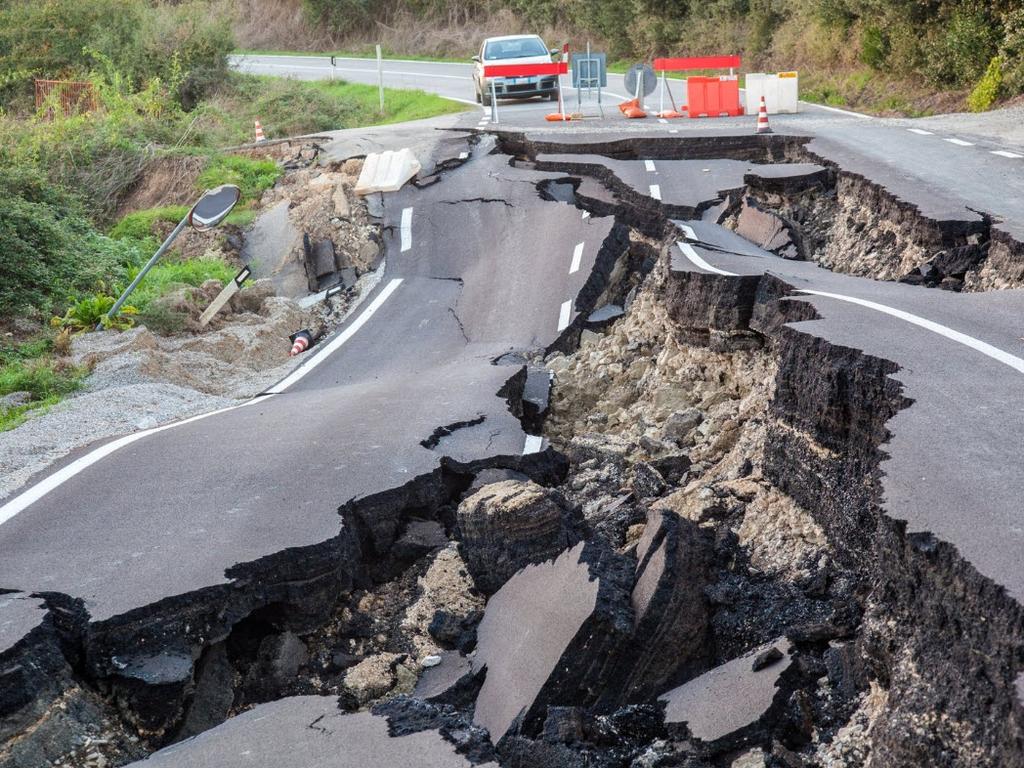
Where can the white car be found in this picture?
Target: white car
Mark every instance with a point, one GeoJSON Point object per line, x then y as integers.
{"type": "Point", "coordinates": [514, 49]}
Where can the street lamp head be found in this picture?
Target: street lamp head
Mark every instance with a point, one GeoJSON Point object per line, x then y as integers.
{"type": "Point", "coordinates": [213, 207]}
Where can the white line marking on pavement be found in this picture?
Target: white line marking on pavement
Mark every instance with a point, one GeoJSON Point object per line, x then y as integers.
{"type": "Point", "coordinates": [577, 255]}
{"type": "Point", "coordinates": [335, 343]}
{"type": "Point", "coordinates": [1014, 362]}
{"type": "Point", "coordinates": [533, 444]}
{"type": "Point", "coordinates": [406, 229]}
{"type": "Point", "coordinates": [959, 142]}
{"type": "Point", "coordinates": [673, 130]}
{"type": "Point", "coordinates": [920, 131]}
{"type": "Point", "coordinates": [656, 191]}
{"type": "Point", "coordinates": [586, 215]}
{"type": "Point", "coordinates": [649, 166]}
{"type": "Point", "coordinates": [463, 155]}
{"type": "Point", "coordinates": [563, 315]}
{"type": "Point", "coordinates": [663, 120]}
{"type": "Point", "coordinates": [1004, 153]}
{"type": "Point", "coordinates": [838, 110]}
{"type": "Point", "coordinates": [39, 490]}
{"type": "Point", "coordinates": [691, 254]}
{"type": "Point", "coordinates": [22, 501]}
{"type": "Point", "coordinates": [688, 232]}
{"type": "Point", "coordinates": [961, 338]}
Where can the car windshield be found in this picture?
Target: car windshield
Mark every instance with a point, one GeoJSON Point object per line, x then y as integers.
{"type": "Point", "coordinates": [516, 48]}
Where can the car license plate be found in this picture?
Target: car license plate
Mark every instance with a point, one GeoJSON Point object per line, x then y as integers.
{"type": "Point", "coordinates": [521, 80]}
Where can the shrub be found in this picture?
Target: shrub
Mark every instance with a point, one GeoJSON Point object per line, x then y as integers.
{"type": "Point", "coordinates": [874, 47]}
{"type": "Point", "coordinates": [48, 249]}
{"type": "Point", "coordinates": [138, 225]}
{"type": "Point", "coordinates": [87, 313]}
{"type": "Point", "coordinates": [988, 88]}
{"type": "Point", "coordinates": [1011, 52]}
{"type": "Point", "coordinates": [170, 275]}
{"type": "Point", "coordinates": [962, 50]}
{"type": "Point", "coordinates": [42, 378]}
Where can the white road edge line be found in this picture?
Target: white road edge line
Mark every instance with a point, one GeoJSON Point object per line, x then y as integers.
{"type": "Point", "coordinates": [959, 142]}
{"type": "Point", "coordinates": [30, 496]}
{"type": "Point", "coordinates": [564, 314]}
{"type": "Point", "coordinates": [815, 105]}
{"type": "Point", "coordinates": [1014, 362]}
{"type": "Point", "coordinates": [577, 256]}
{"type": "Point", "coordinates": [691, 254]}
{"type": "Point", "coordinates": [649, 166]}
{"type": "Point", "coordinates": [656, 191]}
{"type": "Point", "coordinates": [299, 373]}
{"type": "Point", "coordinates": [24, 500]}
{"type": "Point", "coordinates": [961, 338]}
{"type": "Point", "coordinates": [534, 443]}
{"type": "Point", "coordinates": [406, 229]}
{"type": "Point", "coordinates": [1004, 153]}
{"type": "Point", "coordinates": [920, 131]}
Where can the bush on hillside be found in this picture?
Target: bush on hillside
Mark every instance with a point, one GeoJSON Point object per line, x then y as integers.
{"type": "Point", "coordinates": [143, 40]}
{"type": "Point", "coordinates": [988, 88]}
{"type": "Point", "coordinates": [48, 249]}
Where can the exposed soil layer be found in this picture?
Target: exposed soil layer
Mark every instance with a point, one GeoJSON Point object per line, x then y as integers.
{"type": "Point", "coordinates": [709, 509]}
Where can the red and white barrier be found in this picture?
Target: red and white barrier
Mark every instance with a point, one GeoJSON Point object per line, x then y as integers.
{"type": "Point", "coordinates": [557, 68]}
{"type": "Point", "coordinates": [705, 96]}
{"type": "Point", "coordinates": [259, 133]}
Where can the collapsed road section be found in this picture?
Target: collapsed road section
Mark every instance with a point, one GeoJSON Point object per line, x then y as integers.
{"type": "Point", "coordinates": [748, 537]}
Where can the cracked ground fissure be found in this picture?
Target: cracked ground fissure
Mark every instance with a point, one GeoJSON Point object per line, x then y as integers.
{"type": "Point", "coordinates": [764, 504]}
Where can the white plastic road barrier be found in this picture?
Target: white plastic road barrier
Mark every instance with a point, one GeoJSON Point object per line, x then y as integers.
{"type": "Point", "coordinates": [387, 171]}
{"type": "Point", "coordinates": [780, 91]}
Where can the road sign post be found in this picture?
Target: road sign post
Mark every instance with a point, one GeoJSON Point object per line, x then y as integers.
{"type": "Point", "coordinates": [224, 296]}
{"type": "Point", "coordinates": [380, 78]}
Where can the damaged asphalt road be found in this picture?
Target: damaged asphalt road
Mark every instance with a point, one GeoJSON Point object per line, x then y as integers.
{"type": "Point", "coordinates": [133, 575]}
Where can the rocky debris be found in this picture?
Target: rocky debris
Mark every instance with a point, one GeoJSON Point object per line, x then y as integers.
{"type": "Point", "coordinates": [948, 269]}
{"type": "Point", "coordinates": [508, 525]}
{"type": "Point", "coordinates": [375, 676]}
{"type": "Point", "coordinates": [549, 637]}
{"type": "Point", "coordinates": [447, 597]}
{"type": "Point", "coordinates": [767, 230]}
{"type": "Point", "coordinates": [308, 732]}
{"type": "Point", "coordinates": [723, 707]}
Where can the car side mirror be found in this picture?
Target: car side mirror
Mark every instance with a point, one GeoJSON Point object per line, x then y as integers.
{"type": "Point", "coordinates": [476, 59]}
{"type": "Point", "coordinates": [554, 51]}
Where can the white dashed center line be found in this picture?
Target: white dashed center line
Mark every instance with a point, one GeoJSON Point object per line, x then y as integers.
{"type": "Point", "coordinates": [577, 256]}
{"type": "Point", "coordinates": [406, 230]}
{"type": "Point", "coordinates": [1004, 153]}
{"type": "Point", "coordinates": [564, 315]}
{"type": "Point", "coordinates": [959, 142]}
{"type": "Point", "coordinates": [920, 131]}
{"type": "Point", "coordinates": [656, 191]}
{"type": "Point", "coordinates": [649, 166]}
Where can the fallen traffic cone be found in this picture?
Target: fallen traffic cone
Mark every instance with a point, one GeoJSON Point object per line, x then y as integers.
{"type": "Point", "coordinates": [762, 118]}
{"type": "Point", "coordinates": [668, 114]}
{"type": "Point", "coordinates": [259, 133]}
{"type": "Point", "coordinates": [300, 342]}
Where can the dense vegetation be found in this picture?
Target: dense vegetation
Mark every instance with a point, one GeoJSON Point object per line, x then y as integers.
{"type": "Point", "coordinates": [847, 48]}
{"type": "Point", "coordinates": [161, 88]}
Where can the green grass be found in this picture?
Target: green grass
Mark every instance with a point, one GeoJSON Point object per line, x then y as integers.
{"type": "Point", "coordinates": [253, 177]}
{"type": "Point", "coordinates": [168, 276]}
{"type": "Point", "coordinates": [46, 380]}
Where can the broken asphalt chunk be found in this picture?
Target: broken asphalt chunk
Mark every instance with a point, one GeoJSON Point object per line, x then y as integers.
{"type": "Point", "coordinates": [727, 706]}
{"type": "Point", "coordinates": [550, 637]}
{"type": "Point", "coordinates": [508, 525]}
{"type": "Point", "coordinates": [308, 732]}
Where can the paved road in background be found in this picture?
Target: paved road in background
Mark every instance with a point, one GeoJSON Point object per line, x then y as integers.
{"type": "Point", "coordinates": [948, 175]}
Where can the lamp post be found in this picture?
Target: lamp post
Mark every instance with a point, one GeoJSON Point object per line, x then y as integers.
{"type": "Point", "coordinates": [209, 211]}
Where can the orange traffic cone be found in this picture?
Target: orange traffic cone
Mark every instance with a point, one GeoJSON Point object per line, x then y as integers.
{"type": "Point", "coordinates": [300, 342]}
{"type": "Point", "coordinates": [762, 118]}
{"type": "Point", "coordinates": [259, 133]}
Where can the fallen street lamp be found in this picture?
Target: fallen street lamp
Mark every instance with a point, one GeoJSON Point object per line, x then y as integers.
{"type": "Point", "coordinates": [211, 209]}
